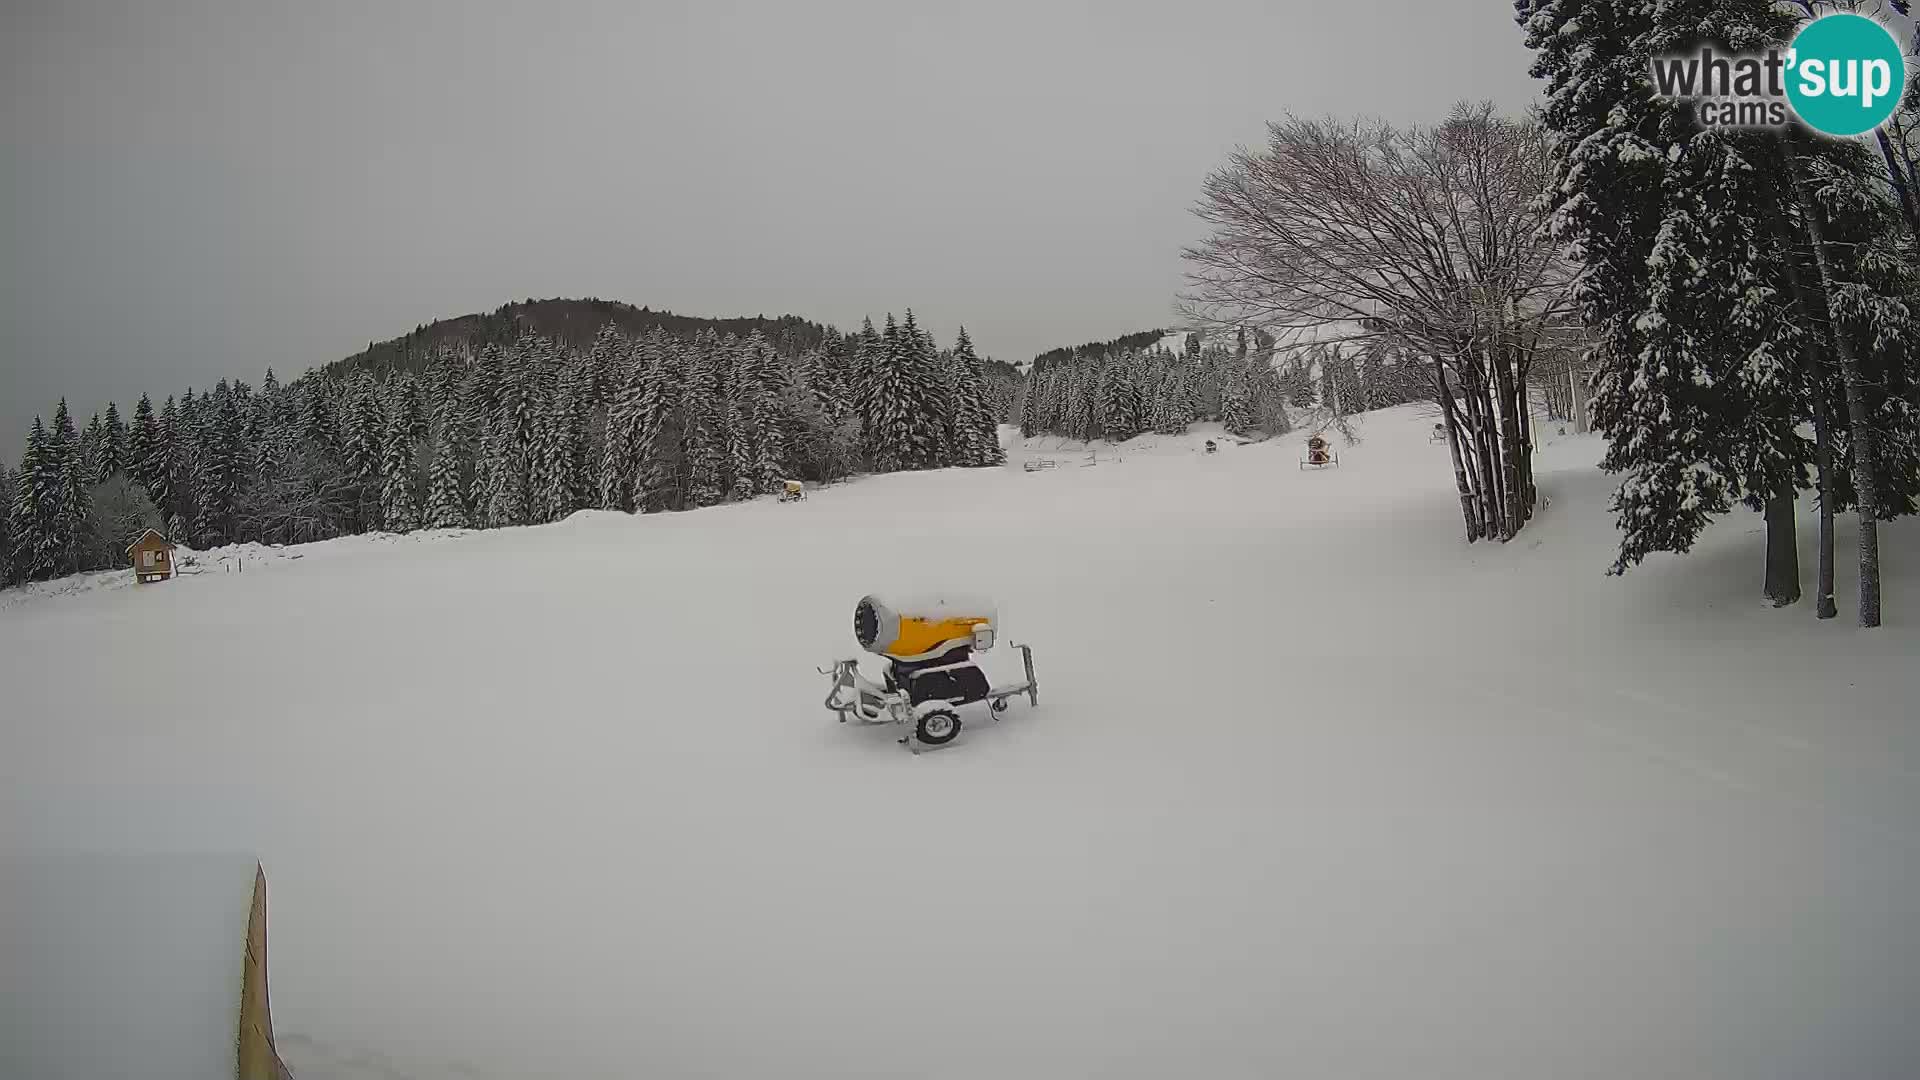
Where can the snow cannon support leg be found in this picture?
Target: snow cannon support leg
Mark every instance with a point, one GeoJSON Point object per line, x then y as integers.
{"type": "Point", "coordinates": [1033, 685]}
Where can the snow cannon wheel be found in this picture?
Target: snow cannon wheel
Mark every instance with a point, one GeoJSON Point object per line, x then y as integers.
{"type": "Point", "coordinates": [937, 727]}
{"type": "Point", "coordinates": [999, 705]}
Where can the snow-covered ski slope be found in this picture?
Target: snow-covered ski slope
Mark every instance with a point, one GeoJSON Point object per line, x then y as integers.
{"type": "Point", "coordinates": [1314, 788]}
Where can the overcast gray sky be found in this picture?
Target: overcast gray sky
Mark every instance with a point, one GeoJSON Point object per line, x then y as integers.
{"type": "Point", "coordinates": [197, 190]}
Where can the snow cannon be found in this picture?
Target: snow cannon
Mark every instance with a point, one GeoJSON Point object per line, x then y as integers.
{"type": "Point", "coordinates": [928, 644]}
{"type": "Point", "coordinates": [915, 629]}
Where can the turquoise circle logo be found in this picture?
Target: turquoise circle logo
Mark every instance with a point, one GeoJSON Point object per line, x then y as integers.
{"type": "Point", "coordinates": [1846, 74]}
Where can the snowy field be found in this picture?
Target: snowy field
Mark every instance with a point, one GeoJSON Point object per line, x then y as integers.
{"type": "Point", "coordinates": [1314, 788]}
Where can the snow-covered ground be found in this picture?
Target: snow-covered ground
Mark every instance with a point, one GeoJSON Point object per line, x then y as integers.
{"type": "Point", "coordinates": [122, 966]}
{"type": "Point", "coordinates": [1314, 789]}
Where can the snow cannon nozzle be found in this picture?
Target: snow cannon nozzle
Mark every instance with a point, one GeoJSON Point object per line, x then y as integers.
{"type": "Point", "coordinates": [909, 628]}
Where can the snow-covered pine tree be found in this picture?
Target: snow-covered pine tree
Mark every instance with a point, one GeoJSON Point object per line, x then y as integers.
{"type": "Point", "coordinates": [7, 571]}
{"type": "Point", "coordinates": [399, 502]}
{"type": "Point", "coordinates": [1112, 369]}
{"type": "Point", "coordinates": [546, 463]}
{"type": "Point", "coordinates": [576, 388]}
{"type": "Point", "coordinates": [73, 518]}
{"type": "Point", "coordinates": [1031, 403]}
{"type": "Point", "coordinates": [142, 438]}
{"type": "Point", "coordinates": [1058, 399]}
{"type": "Point", "coordinates": [405, 407]}
{"type": "Point", "coordinates": [272, 447]}
{"type": "Point", "coordinates": [1236, 402]}
{"type": "Point", "coordinates": [617, 457]}
{"type": "Point", "coordinates": [659, 423]}
{"type": "Point", "coordinates": [161, 469]}
{"type": "Point", "coordinates": [869, 353]}
{"type": "Point", "coordinates": [446, 495]}
{"type": "Point", "coordinates": [1185, 397]}
{"type": "Point", "coordinates": [185, 457]}
{"type": "Point", "coordinates": [1087, 390]}
{"type": "Point", "coordinates": [1139, 366]}
{"type": "Point", "coordinates": [246, 410]}
{"type": "Point", "coordinates": [736, 438]}
{"type": "Point", "coordinates": [480, 486]}
{"type": "Point", "coordinates": [93, 450]}
{"type": "Point", "coordinates": [361, 428]}
{"type": "Point", "coordinates": [897, 436]}
{"type": "Point", "coordinates": [36, 543]}
{"type": "Point", "coordinates": [506, 500]}
{"type": "Point", "coordinates": [440, 388]}
{"type": "Point", "coordinates": [1059, 395]}
{"type": "Point", "coordinates": [1170, 401]}
{"type": "Point", "coordinates": [318, 420]}
{"type": "Point", "coordinates": [480, 392]}
{"type": "Point", "coordinates": [702, 436]}
{"type": "Point", "coordinates": [943, 381]}
{"type": "Point", "coordinates": [607, 364]}
{"type": "Point", "coordinates": [1076, 401]}
{"type": "Point", "coordinates": [882, 441]}
{"type": "Point", "coordinates": [1298, 383]}
{"type": "Point", "coordinates": [948, 426]}
{"type": "Point", "coordinates": [1678, 227]}
{"type": "Point", "coordinates": [114, 458]}
{"type": "Point", "coordinates": [218, 467]}
{"type": "Point", "coordinates": [761, 379]}
{"type": "Point", "coordinates": [1373, 389]}
{"type": "Point", "coordinates": [520, 389]}
{"type": "Point", "coordinates": [825, 371]}
{"type": "Point", "coordinates": [1269, 398]}
{"type": "Point", "coordinates": [1109, 402]}
{"type": "Point", "coordinates": [926, 419]}
{"type": "Point", "coordinates": [978, 426]}
{"type": "Point", "coordinates": [22, 517]}
{"type": "Point", "coordinates": [1199, 386]}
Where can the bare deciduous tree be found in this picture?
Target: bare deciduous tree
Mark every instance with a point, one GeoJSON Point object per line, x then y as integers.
{"type": "Point", "coordinates": [1426, 241]}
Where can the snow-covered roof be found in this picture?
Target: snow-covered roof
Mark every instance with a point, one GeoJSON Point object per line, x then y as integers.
{"type": "Point", "coordinates": [155, 533]}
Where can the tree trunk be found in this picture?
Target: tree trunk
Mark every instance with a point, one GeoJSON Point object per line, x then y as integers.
{"type": "Point", "coordinates": [1577, 387]}
{"type": "Point", "coordinates": [1861, 434]}
{"type": "Point", "coordinates": [1513, 483]}
{"type": "Point", "coordinates": [1530, 493]}
{"type": "Point", "coordinates": [1523, 408]}
{"type": "Point", "coordinates": [1468, 514]}
{"type": "Point", "coordinates": [1481, 457]}
{"type": "Point", "coordinates": [1823, 606]}
{"type": "Point", "coordinates": [1783, 550]}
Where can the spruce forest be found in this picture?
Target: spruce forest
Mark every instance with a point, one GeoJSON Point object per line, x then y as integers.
{"type": "Point", "coordinates": [1117, 390]}
{"type": "Point", "coordinates": [501, 428]}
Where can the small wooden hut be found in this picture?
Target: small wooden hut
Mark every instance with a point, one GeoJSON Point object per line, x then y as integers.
{"type": "Point", "coordinates": [152, 557]}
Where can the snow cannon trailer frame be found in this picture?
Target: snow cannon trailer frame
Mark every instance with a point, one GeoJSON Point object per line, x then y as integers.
{"type": "Point", "coordinates": [933, 720]}
{"type": "Point", "coordinates": [930, 670]}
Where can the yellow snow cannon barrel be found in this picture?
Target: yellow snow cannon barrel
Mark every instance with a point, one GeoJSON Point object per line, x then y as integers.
{"type": "Point", "coordinates": [911, 629]}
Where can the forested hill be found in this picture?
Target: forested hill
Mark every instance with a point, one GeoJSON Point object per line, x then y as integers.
{"type": "Point", "coordinates": [572, 323]}
{"type": "Point", "coordinates": [1124, 343]}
